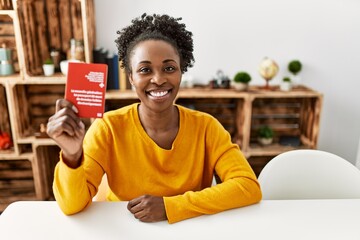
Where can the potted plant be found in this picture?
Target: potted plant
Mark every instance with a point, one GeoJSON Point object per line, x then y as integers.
{"type": "Point", "coordinates": [265, 135]}
{"type": "Point", "coordinates": [48, 67]}
{"type": "Point", "coordinates": [285, 84]}
{"type": "Point", "coordinates": [295, 67]}
{"type": "Point", "coordinates": [241, 81]}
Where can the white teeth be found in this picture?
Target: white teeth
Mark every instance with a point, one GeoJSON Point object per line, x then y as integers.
{"type": "Point", "coordinates": [158, 94]}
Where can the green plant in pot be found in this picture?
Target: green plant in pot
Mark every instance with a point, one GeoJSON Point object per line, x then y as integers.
{"type": "Point", "coordinates": [265, 135]}
{"type": "Point", "coordinates": [295, 67]}
{"type": "Point", "coordinates": [286, 84]}
{"type": "Point", "coordinates": [48, 67]}
{"type": "Point", "coordinates": [241, 81]}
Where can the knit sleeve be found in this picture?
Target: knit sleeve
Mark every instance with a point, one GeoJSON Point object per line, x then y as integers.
{"type": "Point", "coordinates": [239, 185]}
{"type": "Point", "coordinates": [74, 188]}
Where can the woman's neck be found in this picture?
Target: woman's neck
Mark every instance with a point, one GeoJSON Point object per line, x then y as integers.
{"type": "Point", "coordinates": [159, 121]}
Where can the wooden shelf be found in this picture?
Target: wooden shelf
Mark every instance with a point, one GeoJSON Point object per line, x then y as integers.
{"type": "Point", "coordinates": [57, 78]}
{"type": "Point", "coordinates": [257, 150]}
{"type": "Point", "coordinates": [10, 78]}
{"type": "Point", "coordinates": [14, 156]}
{"type": "Point", "coordinates": [27, 98]}
{"type": "Point", "coordinates": [37, 141]}
{"type": "Point", "coordinates": [117, 94]}
{"type": "Point", "coordinates": [7, 12]}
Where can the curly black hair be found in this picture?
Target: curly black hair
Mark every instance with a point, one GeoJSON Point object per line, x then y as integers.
{"type": "Point", "coordinates": [157, 27]}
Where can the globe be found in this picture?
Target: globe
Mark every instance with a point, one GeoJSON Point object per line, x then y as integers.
{"type": "Point", "coordinates": [268, 69]}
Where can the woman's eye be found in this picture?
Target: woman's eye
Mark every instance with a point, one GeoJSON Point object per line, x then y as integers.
{"type": "Point", "coordinates": [170, 69]}
{"type": "Point", "coordinates": [144, 70]}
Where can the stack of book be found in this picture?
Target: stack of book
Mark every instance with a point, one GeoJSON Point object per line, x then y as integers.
{"type": "Point", "coordinates": [117, 78]}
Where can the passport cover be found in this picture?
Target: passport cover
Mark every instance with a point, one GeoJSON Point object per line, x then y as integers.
{"type": "Point", "coordinates": [86, 87]}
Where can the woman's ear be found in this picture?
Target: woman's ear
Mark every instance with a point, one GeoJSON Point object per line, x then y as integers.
{"type": "Point", "coordinates": [131, 79]}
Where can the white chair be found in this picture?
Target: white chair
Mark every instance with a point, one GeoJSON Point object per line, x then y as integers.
{"type": "Point", "coordinates": [358, 157]}
{"type": "Point", "coordinates": [309, 174]}
{"type": "Point", "coordinates": [102, 190]}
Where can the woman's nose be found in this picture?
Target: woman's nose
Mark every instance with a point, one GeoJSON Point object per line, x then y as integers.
{"type": "Point", "coordinates": [158, 79]}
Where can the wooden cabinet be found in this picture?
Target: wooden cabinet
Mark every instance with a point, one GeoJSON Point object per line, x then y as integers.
{"type": "Point", "coordinates": [27, 98]}
{"type": "Point", "coordinates": [294, 116]}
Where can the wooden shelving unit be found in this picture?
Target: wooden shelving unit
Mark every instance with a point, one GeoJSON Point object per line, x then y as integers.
{"type": "Point", "coordinates": [27, 98]}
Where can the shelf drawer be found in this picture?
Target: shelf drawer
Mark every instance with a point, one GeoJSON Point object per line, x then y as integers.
{"type": "Point", "coordinates": [7, 37]}
{"type": "Point", "coordinates": [258, 163]}
{"type": "Point", "coordinates": [295, 117]}
{"type": "Point", "coordinates": [34, 105]}
{"type": "Point", "coordinates": [47, 25]}
{"type": "Point", "coordinates": [16, 181]}
{"type": "Point", "coordinates": [225, 110]}
{"type": "Point", "coordinates": [5, 125]}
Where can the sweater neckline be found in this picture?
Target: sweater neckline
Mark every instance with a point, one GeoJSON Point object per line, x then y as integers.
{"type": "Point", "coordinates": [148, 139]}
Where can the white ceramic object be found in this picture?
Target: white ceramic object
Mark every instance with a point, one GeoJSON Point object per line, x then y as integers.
{"type": "Point", "coordinates": [64, 65]}
{"type": "Point", "coordinates": [240, 86]}
{"type": "Point", "coordinates": [265, 141]}
{"type": "Point", "coordinates": [285, 86]}
{"type": "Point", "coordinates": [49, 69]}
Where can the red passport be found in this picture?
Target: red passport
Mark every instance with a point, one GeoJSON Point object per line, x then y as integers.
{"type": "Point", "coordinates": [86, 87]}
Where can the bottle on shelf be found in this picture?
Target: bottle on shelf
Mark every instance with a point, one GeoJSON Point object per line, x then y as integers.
{"type": "Point", "coordinates": [76, 50]}
{"type": "Point", "coordinates": [6, 67]}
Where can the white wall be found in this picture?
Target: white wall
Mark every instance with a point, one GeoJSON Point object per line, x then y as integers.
{"type": "Point", "coordinates": [235, 35]}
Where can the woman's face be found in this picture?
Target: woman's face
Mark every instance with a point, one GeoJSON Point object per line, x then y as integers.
{"type": "Point", "coordinates": [155, 74]}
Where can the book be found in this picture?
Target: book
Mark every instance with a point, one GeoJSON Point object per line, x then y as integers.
{"type": "Point", "coordinates": [115, 64]}
{"type": "Point", "coordinates": [86, 87]}
{"type": "Point", "coordinates": [113, 75]}
{"type": "Point", "coordinates": [124, 83]}
{"type": "Point", "coordinates": [99, 55]}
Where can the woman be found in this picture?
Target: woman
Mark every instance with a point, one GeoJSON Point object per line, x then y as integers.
{"type": "Point", "coordinates": [157, 155]}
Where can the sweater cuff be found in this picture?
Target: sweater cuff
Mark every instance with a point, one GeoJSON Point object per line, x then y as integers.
{"type": "Point", "coordinates": [67, 166]}
{"type": "Point", "coordinates": [176, 210]}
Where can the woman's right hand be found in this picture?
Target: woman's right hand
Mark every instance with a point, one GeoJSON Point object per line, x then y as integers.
{"type": "Point", "coordinates": [68, 131]}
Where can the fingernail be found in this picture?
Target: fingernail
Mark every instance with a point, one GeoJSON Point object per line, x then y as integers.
{"type": "Point", "coordinates": [75, 109]}
{"type": "Point", "coordinates": [81, 125]}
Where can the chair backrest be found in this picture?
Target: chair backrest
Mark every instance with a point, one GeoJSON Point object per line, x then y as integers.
{"type": "Point", "coordinates": [309, 174]}
{"type": "Point", "coordinates": [102, 190]}
{"type": "Point", "coordinates": [358, 157]}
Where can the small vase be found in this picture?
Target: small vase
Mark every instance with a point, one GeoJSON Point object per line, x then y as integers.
{"type": "Point", "coordinates": [265, 141]}
{"type": "Point", "coordinates": [49, 69]}
{"type": "Point", "coordinates": [285, 86]}
{"type": "Point", "coordinates": [240, 86]}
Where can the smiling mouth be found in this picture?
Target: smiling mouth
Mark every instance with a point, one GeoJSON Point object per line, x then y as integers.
{"type": "Point", "coordinates": [158, 93]}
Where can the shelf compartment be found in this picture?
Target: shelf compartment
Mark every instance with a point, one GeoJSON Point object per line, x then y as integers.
{"type": "Point", "coordinates": [257, 163]}
{"type": "Point", "coordinates": [113, 103]}
{"type": "Point", "coordinates": [16, 181]}
{"type": "Point", "coordinates": [225, 110]}
{"type": "Point", "coordinates": [47, 157]}
{"type": "Point", "coordinates": [288, 117]}
{"type": "Point", "coordinates": [41, 30]}
{"type": "Point", "coordinates": [7, 37]}
{"type": "Point", "coordinates": [6, 5]}
{"type": "Point", "coordinates": [34, 105]}
{"type": "Point", "coordinates": [5, 125]}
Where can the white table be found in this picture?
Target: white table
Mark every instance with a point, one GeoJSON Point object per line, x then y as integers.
{"type": "Point", "coordinates": [270, 219]}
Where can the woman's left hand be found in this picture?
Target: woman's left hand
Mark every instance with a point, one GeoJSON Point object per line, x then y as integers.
{"type": "Point", "coordinates": [148, 208]}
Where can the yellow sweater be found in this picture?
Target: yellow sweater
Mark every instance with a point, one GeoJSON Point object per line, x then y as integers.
{"type": "Point", "coordinates": [135, 165]}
